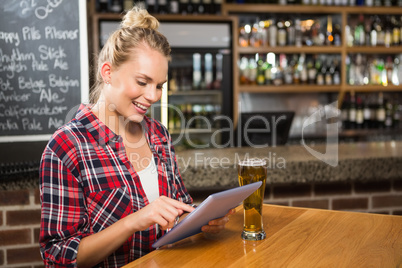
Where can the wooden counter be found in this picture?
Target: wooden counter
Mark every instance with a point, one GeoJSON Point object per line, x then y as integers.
{"type": "Point", "coordinates": [296, 237]}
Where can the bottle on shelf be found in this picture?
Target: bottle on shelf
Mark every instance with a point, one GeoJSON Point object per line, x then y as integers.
{"type": "Point", "coordinates": [359, 33]}
{"type": "Point", "coordinates": [298, 33]}
{"type": "Point", "coordinates": [380, 112]}
{"type": "Point", "coordinates": [329, 39]}
{"type": "Point", "coordinates": [389, 116]}
{"type": "Point", "coordinates": [102, 5]}
{"type": "Point", "coordinates": [174, 6]}
{"type": "Point", "coordinates": [366, 113]}
{"type": "Point", "coordinates": [281, 33]}
{"type": "Point", "coordinates": [396, 32]}
{"type": "Point", "coordinates": [260, 70]}
{"type": "Point", "coordinates": [352, 111]}
{"type": "Point", "coordinates": [388, 32]}
{"type": "Point", "coordinates": [359, 113]}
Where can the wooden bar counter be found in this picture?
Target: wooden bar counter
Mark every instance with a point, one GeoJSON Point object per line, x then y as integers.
{"type": "Point", "coordinates": [296, 237]}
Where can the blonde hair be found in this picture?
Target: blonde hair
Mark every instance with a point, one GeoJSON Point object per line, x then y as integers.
{"type": "Point", "coordinates": [137, 28]}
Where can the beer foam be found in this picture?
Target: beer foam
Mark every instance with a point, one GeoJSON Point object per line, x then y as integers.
{"type": "Point", "coordinates": [253, 162]}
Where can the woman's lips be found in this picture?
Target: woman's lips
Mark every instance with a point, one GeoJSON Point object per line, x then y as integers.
{"type": "Point", "coordinates": [140, 107]}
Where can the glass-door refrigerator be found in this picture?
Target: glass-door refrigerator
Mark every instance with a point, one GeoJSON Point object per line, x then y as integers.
{"type": "Point", "coordinates": [197, 105]}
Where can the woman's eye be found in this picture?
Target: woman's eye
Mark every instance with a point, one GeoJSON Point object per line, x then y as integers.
{"type": "Point", "coordinates": [159, 86]}
{"type": "Point", "coordinates": [141, 83]}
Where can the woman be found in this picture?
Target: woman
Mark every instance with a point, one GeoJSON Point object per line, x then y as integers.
{"type": "Point", "coordinates": [110, 183]}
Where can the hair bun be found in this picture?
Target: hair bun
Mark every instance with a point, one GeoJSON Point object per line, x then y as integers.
{"type": "Point", "coordinates": [139, 17]}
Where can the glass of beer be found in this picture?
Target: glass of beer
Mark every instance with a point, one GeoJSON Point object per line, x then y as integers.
{"type": "Point", "coordinates": [249, 171]}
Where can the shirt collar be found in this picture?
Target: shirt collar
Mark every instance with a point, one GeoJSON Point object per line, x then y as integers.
{"type": "Point", "coordinates": [154, 132]}
{"type": "Point", "coordinates": [99, 131]}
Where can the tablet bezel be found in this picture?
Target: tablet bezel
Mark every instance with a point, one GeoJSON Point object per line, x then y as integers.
{"type": "Point", "coordinates": [214, 206]}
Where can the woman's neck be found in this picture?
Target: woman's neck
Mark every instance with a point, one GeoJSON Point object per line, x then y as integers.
{"type": "Point", "coordinates": [116, 122]}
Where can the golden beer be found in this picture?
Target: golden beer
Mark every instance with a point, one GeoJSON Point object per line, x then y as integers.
{"type": "Point", "coordinates": [249, 171]}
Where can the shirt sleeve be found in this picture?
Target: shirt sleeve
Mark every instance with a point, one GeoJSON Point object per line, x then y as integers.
{"type": "Point", "coordinates": [63, 218]}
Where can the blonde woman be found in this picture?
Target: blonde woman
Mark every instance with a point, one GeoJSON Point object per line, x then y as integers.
{"type": "Point", "coordinates": [109, 180]}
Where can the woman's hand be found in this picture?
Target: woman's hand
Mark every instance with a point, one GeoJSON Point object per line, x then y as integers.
{"type": "Point", "coordinates": [162, 211]}
{"type": "Point", "coordinates": [217, 225]}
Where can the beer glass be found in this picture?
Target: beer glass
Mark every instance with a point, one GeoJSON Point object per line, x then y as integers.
{"type": "Point", "coordinates": [249, 171]}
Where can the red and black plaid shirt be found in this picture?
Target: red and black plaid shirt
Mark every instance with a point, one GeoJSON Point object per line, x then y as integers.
{"type": "Point", "coordinates": [87, 183]}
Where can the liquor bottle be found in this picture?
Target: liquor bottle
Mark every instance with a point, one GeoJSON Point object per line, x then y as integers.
{"type": "Point", "coordinates": [337, 73]}
{"type": "Point", "coordinates": [174, 7]}
{"type": "Point", "coordinates": [388, 114]}
{"type": "Point", "coordinates": [330, 69]}
{"type": "Point", "coordinates": [244, 70]}
{"type": "Point", "coordinates": [208, 6]}
{"type": "Point", "coordinates": [311, 71]}
{"type": "Point", "coordinates": [291, 33]}
{"type": "Point", "coordinates": [352, 111]}
{"type": "Point", "coordinates": [277, 71]}
{"type": "Point", "coordinates": [151, 6]}
{"type": "Point", "coordinates": [219, 71]}
{"type": "Point", "coordinates": [182, 6]}
{"type": "Point", "coordinates": [359, 113]}
{"type": "Point", "coordinates": [395, 72]}
{"type": "Point", "coordinates": [359, 34]}
{"type": "Point", "coordinates": [201, 7]}
{"type": "Point", "coordinates": [273, 34]}
{"type": "Point", "coordinates": [297, 70]}
{"type": "Point", "coordinates": [329, 39]}
{"type": "Point", "coordinates": [366, 114]}
{"type": "Point", "coordinates": [323, 73]}
{"type": "Point", "coordinates": [373, 32]}
{"type": "Point", "coordinates": [395, 31]}
{"type": "Point", "coordinates": [281, 33]}
{"type": "Point", "coordinates": [320, 78]}
{"type": "Point", "coordinates": [270, 61]}
{"type": "Point", "coordinates": [337, 35]}
{"type": "Point", "coordinates": [345, 112]}
{"type": "Point", "coordinates": [196, 6]}
{"type": "Point", "coordinates": [208, 74]}
{"type": "Point", "coordinates": [244, 34]}
{"type": "Point", "coordinates": [298, 33]}
{"type": "Point", "coordinates": [389, 66]}
{"type": "Point", "coordinates": [115, 6]}
{"type": "Point", "coordinates": [217, 6]}
{"type": "Point", "coordinates": [162, 7]}
{"type": "Point", "coordinates": [102, 5]}
{"type": "Point", "coordinates": [128, 4]}
{"type": "Point", "coordinates": [260, 71]}
{"type": "Point", "coordinates": [380, 113]}
{"type": "Point", "coordinates": [189, 7]}
{"type": "Point", "coordinates": [397, 115]}
{"type": "Point", "coordinates": [380, 33]}
{"type": "Point", "coordinates": [173, 81]}
{"type": "Point", "coordinates": [388, 32]}
{"type": "Point", "coordinates": [303, 71]}
{"type": "Point", "coordinates": [252, 66]}
{"type": "Point", "coordinates": [197, 76]}
{"type": "Point", "coordinates": [287, 71]}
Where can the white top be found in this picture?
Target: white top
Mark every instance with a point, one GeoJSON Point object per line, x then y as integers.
{"type": "Point", "coordinates": [149, 181]}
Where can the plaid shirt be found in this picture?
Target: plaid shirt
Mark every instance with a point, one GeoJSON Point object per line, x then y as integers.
{"type": "Point", "coordinates": [87, 183]}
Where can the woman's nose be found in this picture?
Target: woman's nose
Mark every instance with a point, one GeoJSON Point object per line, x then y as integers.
{"type": "Point", "coordinates": [152, 94]}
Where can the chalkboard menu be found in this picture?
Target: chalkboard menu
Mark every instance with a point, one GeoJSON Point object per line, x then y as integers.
{"type": "Point", "coordinates": [43, 66]}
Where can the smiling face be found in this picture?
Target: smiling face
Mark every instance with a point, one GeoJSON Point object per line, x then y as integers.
{"type": "Point", "coordinates": [135, 85]}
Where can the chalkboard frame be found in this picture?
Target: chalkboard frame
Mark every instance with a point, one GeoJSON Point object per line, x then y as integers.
{"type": "Point", "coordinates": [84, 75]}
{"type": "Point", "coordinates": [25, 150]}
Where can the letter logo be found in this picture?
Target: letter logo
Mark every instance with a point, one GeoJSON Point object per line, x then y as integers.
{"type": "Point", "coordinates": [330, 113]}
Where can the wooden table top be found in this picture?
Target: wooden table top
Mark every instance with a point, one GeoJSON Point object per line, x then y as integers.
{"type": "Point", "coordinates": [296, 237]}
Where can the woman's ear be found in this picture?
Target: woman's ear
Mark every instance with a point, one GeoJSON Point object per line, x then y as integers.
{"type": "Point", "coordinates": [106, 72]}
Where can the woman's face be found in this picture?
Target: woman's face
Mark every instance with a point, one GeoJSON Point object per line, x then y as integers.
{"type": "Point", "coordinates": [136, 84]}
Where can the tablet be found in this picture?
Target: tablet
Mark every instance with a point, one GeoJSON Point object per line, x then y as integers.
{"type": "Point", "coordinates": [215, 206]}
